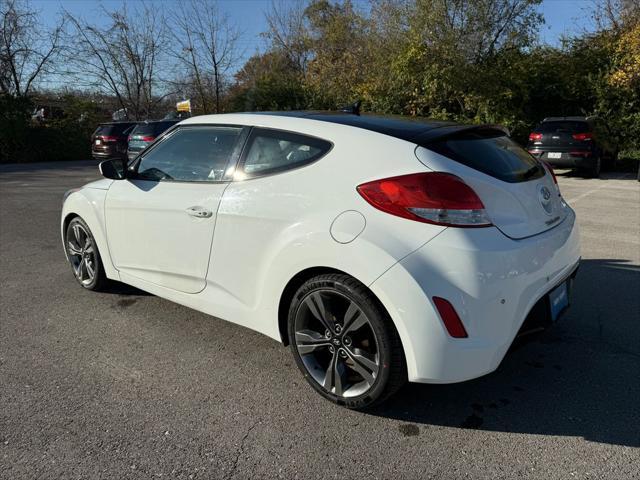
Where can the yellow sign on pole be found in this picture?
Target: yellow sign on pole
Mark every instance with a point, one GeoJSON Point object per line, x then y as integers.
{"type": "Point", "coordinates": [184, 106]}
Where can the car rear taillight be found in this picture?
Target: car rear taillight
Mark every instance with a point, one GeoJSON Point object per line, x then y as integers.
{"type": "Point", "coordinates": [533, 136]}
{"type": "Point", "coordinates": [450, 318]}
{"type": "Point", "coordinates": [108, 138]}
{"type": "Point", "coordinates": [433, 197]}
{"type": "Point", "coordinates": [553, 175]}
{"type": "Point", "coordinates": [583, 137]}
{"type": "Point", "coordinates": [147, 139]}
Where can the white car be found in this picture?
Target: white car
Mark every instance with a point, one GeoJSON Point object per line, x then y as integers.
{"type": "Point", "coordinates": [381, 249]}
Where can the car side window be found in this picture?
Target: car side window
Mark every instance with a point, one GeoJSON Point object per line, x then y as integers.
{"type": "Point", "coordinates": [190, 154]}
{"type": "Point", "coordinates": [273, 151]}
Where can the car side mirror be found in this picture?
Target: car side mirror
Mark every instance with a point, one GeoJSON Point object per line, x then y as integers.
{"type": "Point", "coordinates": [112, 169]}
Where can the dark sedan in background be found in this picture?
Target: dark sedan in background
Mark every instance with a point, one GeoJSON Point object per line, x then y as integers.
{"type": "Point", "coordinates": [144, 134]}
{"type": "Point", "coordinates": [109, 141]}
{"type": "Point", "coordinates": [585, 143]}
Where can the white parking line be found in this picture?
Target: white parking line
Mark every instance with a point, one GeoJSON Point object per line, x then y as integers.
{"type": "Point", "coordinates": [593, 190]}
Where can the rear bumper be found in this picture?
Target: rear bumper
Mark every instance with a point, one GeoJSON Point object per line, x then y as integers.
{"type": "Point", "coordinates": [107, 155]}
{"type": "Point", "coordinates": [585, 159]}
{"type": "Point", "coordinates": [492, 281]}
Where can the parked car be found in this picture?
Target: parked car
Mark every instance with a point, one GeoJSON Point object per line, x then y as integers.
{"type": "Point", "coordinates": [109, 141]}
{"type": "Point", "coordinates": [585, 143]}
{"type": "Point", "coordinates": [144, 134]}
{"type": "Point", "coordinates": [380, 249]}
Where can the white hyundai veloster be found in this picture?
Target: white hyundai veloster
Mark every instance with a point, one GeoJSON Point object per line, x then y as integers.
{"type": "Point", "coordinates": [382, 249]}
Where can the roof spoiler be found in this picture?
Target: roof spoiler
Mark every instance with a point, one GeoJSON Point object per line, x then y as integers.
{"type": "Point", "coordinates": [450, 131]}
{"type": "Point", "coordinates": [353, 109]}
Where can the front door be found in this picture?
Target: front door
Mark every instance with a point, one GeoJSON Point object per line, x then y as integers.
{"type": "Point", "coordinates": [160, 220]}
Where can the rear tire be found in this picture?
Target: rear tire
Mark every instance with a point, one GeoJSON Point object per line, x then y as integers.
{"type": "Point", "coordinates": [596, 169]}
{"type": "Point", "coordinates": [344, 342]}
{"type": "Point", "coordinates": [83, 255]}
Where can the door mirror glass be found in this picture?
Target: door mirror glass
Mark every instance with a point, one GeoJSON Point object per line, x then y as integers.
{"type": "Point", "coordinates": [112, 169]}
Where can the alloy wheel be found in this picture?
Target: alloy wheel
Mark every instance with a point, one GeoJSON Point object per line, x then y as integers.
{"type": "Point", "coordinates": [82, 253]}
{"type": "Point", "coordinates": [337, 343]}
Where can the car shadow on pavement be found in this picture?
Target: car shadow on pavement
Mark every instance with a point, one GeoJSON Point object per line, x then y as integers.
{"type": "Point", "coordinates": [580, 378]}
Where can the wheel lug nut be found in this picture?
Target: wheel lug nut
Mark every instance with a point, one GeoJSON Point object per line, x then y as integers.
{"type": "Point", "coordinates": [347, 341]}
{"type": "Point", "coordinates": [343, 354]}
{"type": "Point", "coordinates": [327, 334]}
{"type": "Point", "coordinates": [331, 349]}
{"type": "Point", "coordinates": [338, 328]}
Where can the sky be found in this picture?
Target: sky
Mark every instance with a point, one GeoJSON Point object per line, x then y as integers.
{"type": "Point", "coordinates": [563, 17]}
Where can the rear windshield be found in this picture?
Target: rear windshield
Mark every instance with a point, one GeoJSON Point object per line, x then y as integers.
{"type": "Point", "coordinates": [153, 129]}
{"type": "Point", "coordinates": [496, 155]}
{"type": "Point", "coordinates": [563, 126]}
{"type": "Point", "coordinates": [112, 128]}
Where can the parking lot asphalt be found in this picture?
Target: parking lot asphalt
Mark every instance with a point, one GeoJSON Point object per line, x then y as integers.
{"type": "Point", "coordinates": [128, 385]}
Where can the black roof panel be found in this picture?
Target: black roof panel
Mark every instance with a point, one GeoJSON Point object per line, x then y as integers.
{"type": "Point", "coordinates": [405, 128]}
{"type": "Point", "coordinates": [417, 130]}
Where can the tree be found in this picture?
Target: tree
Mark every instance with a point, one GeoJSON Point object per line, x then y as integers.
{"type": "Point", "coordinates": [205, 43]}
{"type": "Point", "coordinates": [122, 58]}
{"type": "Point", "coordinates": [27, 51]}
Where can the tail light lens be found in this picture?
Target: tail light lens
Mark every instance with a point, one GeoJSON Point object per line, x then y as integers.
{"type": "Point", "coordinates": [433, 197]}
{"type": "Point", "coordinates": [147, 139]}
{"type": "Point", "coordinates": [553, 175]}
{"type": "Point", "coordinates": [450, 318]}
{"type": "Point", "coordinates": [583, 137]}
{"type": "Point", "coordinates": [533, 136]}
{"type": "Point", "coordinates": [108, 138]}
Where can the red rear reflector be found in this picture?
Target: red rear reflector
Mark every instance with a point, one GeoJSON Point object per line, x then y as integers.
{"type": "Point", "coordinates": [433, 197]}
{"type": "Point", "coordinates": [450, 318]}
{"type": "Point", "coordinates": [535, 136]}
{"type": "Point", "coordinates": [583, 136]}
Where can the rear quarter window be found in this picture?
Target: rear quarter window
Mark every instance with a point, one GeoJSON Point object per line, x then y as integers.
{"type": "Point", "coordinates": [274, 151]}
{"type": "Point", "coordinates": [496, 155]}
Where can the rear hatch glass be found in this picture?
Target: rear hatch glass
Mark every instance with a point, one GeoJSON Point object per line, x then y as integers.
{"type": "Point", "coordinates": [151, 129]}
{"type": "Point", "coordinates": [112, 129]}
{"type": "Point", "coordinates": [496, 155]}
{"type": "Point", "coordinates": [519, 195]}
{"type": "Point", "coordinates": [560, 133]}
{"type": "Point", "coordinates": [145, 133]}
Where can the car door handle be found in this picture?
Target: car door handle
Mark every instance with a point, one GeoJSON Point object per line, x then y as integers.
{"type": "Point", "coordinates": [199, 212]}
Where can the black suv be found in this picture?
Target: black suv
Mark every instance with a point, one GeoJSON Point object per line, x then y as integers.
{"type": "Point", "coordinates": [585, 143]}
{"type": "Point", "coordinates": [110, 140]}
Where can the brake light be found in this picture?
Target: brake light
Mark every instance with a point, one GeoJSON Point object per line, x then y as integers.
{"type": "Point", "coordinates": [108, 138]}
{"type": "Point", "coordinates": [535, 136]}
{"type": "Point", "coordinates": [553, 175]}
{"type": "Point", "coordinates": [434, 197]}
{"type": "Point", "coordinates": [147, 139]}
{"type": "Point", "coordinates": [450, 318]}
{"type": "Point", "coordinates": [583, 137]}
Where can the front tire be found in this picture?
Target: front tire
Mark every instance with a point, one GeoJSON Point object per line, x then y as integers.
{"type": "Point", "coordinates": [344, 342]}
{"type": "Point", "coordinates": [84, 257]}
